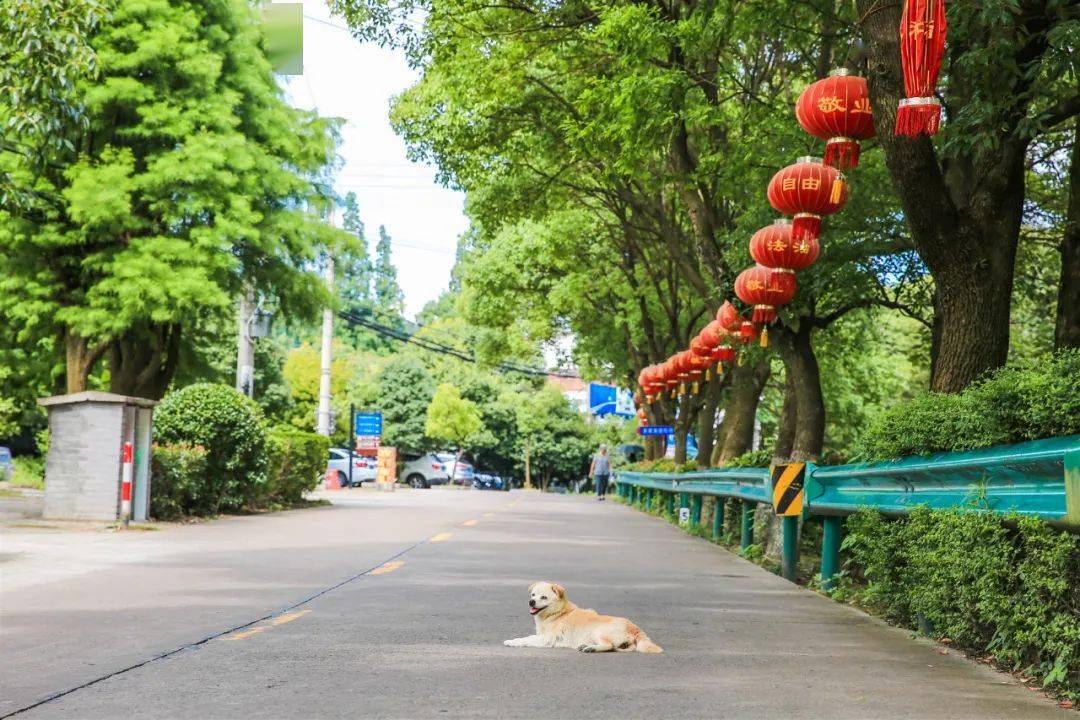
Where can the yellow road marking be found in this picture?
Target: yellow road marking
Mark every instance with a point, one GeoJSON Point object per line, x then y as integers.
{"type": "Point", "coordinates": [288, 617]}
{"type": "Point", "coordinates": [488, 514]}
{"type": "Point", "coordinates": [246, 633]}
{"type": "Point", "coordinates": [469, 523]}
{"type": "Point", "coordinates": [388, 567]}
{"type": "Point", "coordinates": [441, 537]}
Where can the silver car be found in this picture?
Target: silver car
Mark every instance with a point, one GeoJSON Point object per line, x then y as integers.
{"type": "Point", "coordinates": [363, 467]}
{"type": "Point", "coordinates": [463, 471]}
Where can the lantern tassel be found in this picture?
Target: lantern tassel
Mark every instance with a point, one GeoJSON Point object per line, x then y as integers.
{"type": "Point", "coordinates": [708, 373]}
{"type": "Point", "coordinates": [918, 116]}
{"type": "Point", "coordinates": [695, 386]}
{"type": "Point", "coordinates": [836, 196]}
{"type": "Point", "coordinates": [765, 337]}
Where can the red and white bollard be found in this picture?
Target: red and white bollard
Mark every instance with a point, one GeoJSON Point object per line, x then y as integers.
{"type": "Point", "coordinates": [125, 484]}
{"type": "Point", "coordinates": [331, 482]}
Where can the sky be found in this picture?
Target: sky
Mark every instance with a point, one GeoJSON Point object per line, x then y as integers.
{"type": "Point", "coordinates": [355, 81]}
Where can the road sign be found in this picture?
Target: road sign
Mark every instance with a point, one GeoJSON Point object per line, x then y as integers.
{"type": "Point", "coordinates": [788, 489]}
{"type": "Point", "coordinates": [368, 424]}
{"type": "Point", "coordinates": [610, 400]}
{"type": "Point", "coordinates": [655, 430]}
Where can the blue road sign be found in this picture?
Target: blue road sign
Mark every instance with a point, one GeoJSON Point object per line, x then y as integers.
{"type": "Point", "coordinates": [610, 400]}
{"type": "Point", "coordinates": [368, 424]}
{"type": "Point", "coordinates": [655, 430]}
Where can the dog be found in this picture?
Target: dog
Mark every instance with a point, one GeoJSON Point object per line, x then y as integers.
{"type": "Point", "coordinates": [562, 624]}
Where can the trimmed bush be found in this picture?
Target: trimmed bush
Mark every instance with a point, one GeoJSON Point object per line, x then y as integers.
{"type": "Point", "coordinates": [1021, 401]}
{"type": "Point", "coordinates": [297, 462]}
{"type": "Point", "coordinates": [230, 426]}
{"type": "Point", "coordinates": [179, 484]}
{"type": "Point", "coordinates": [1003, 586]}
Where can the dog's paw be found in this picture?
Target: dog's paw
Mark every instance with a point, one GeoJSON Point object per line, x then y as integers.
{"type": "Point", "coordinates": [510, 643]}
{"type": "Point", "coordinates": [586, 648]}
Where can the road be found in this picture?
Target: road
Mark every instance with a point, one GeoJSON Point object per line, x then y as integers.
{"type": "Point", "coordinates": [396, 605]}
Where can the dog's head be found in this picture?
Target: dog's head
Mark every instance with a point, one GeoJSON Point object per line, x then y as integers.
{"type": "Point", "coordinates": [545, 596]}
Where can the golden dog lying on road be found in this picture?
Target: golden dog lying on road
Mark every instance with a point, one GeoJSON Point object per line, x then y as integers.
{"type": "Point", "coordinates": [562, 624]}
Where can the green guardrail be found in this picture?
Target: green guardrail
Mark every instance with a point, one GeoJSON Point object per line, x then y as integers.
{"type": "Point", "coordinates": [1040, 478]}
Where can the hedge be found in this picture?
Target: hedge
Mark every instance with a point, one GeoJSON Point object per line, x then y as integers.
{"type": "Point", "coordinates": [1021, 401]}
{"type": "Point", "coordinates": [230, 426]}
{"type": "Point", "coordinates": [999, 586]}
{"type": "Point", "coordinates": [297, 462]}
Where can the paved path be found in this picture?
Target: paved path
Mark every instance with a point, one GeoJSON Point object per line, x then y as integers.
{"type": "Point", "coordinates": [418, 590]}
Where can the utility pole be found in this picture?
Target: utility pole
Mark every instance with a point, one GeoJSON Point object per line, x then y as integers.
{"type": "Point", "coordinates": [322, 427]}
{"type": "Point", "coordinates": [245, 353]}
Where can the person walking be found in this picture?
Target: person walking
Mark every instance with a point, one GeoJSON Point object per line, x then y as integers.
{"type": "Point", "coordinates": [600, 471]}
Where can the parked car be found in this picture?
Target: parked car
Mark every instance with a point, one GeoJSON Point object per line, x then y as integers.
{"type": "Point", "coordinates": [7, 467]}
{"type": "Point", "coordinates": [363, 467]}
{"type": "Point", "coordinates": [462, 470]}
{"type": "Point", "coordinates": [630, 453]}
{"type": "Point", "coordinates": [423, 471]}
{"type": "Point", "coordinates": [488, 481]}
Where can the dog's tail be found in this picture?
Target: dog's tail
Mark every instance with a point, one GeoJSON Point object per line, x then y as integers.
{"type": "Point", "coordinates": [642, 642]}
{"type": "Point", "coordinates": [645, 645]}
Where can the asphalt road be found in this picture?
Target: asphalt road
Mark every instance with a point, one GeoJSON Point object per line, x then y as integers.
{"type": "Point", "coordinates": [396, 606]}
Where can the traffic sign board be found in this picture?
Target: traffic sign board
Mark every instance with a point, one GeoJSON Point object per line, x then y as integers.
{"type": "Point", "coordinates": [368, 424]}
{"type": "Point", "coordinates": [655, 430]}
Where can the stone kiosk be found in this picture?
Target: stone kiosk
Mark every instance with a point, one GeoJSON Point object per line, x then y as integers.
{"type": "Point", "coordinates": [84, 465]}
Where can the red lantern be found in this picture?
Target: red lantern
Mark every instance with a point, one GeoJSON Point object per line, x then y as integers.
{"type": "Point", "coordinates": [837, 110]}
{"type": "Point", "coordinates": [764, 289]}
{"type": "Point", "coordinates": [729, 317]}
{"type": "Point", "coordinates": [712, 335]}
{"type": "Point", "coordinates": [747, 333]}
{"type": "Point", "coordinates": [725, 353]}
{"type": "Point", "coordinates": [922, 45]}
{"type": "Point", "coordinates": [808, 190]}
{"type": "Point", "coordinates": [772, 246]}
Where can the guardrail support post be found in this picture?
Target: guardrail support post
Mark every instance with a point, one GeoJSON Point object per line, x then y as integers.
{"type": "Point", "coordinates": [649, 498]}
{"type": "Point", "coordinates": [695, 509]}
{"type": "Point", "coordinates": [830, 550]}
{"type": "Point", "coordinates": [670, 507]}
{"type": "Point", "coordinates": [718, 518]}
{"type": "Point", "coordinates": [791, 547]}
{"type": "Point", "coordinates": [747, 523]}
{"type": "Point", "coordinates": [1072, 487]}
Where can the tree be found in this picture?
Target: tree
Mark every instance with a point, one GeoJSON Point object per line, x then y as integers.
{"type": "Point", "coordinates": [1009, 78]}
{"type": "Point", "coordinates": [405, 391]}
{"type": "Point", "coordinates": [389, 299]}
{"type": "Point", "coordinates": [555, 440]}
{"type": "Point", "coordinates": [187, 183]}
{"type": "Point", "coordinates": [452, 420]}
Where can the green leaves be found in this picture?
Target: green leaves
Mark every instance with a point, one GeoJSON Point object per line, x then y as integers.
{"type": "Point", "coordinates": [452, 419]}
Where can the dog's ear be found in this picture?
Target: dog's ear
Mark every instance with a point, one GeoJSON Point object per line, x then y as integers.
{"type": "Point", "coordinates": [560, 591]}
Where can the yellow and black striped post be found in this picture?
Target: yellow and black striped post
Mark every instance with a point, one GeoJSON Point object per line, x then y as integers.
{"type": "Point", "coordinates": [788, 494]}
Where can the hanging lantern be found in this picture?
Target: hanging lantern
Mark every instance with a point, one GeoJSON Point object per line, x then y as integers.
{"type": "Point", "coordinates": [773, 246]}
{"type": "Point", "coordinates": [807, 190]}
{"type": "Point", "coordinates": [747, 332]}
{"type": "Point", "coordinates": [837, 110]}
{"type": "Point", "coordinates": [725, 353]}
{"type": "Point", "coordinates": [765, 289]}
{"type": "Point", "coordinates": [922, 46]}
{"type": "Point", "coordinates": [703, 352]}
{"type": "Point", "coordinates": [729, 317]}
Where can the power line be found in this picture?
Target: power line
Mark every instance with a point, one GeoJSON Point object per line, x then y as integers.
{"type": "Point", "coordinates": [438, 347]}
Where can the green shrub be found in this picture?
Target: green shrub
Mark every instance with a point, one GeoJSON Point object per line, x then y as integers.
{"type": "Point", "coordinates": [28, 472]}
{"type": "Point", "coordinates": [297, 462]}
{"type": "Point", "coordinates": [1021, 401]}
{"type": "Point", "coordinates": [230, 426]}
{"type": "Point", "coordinates": [754, 458]}
{"type": "Point", "coordinates": [180, 482]}
{"type": "Point", "coordinates": [1003, 586]}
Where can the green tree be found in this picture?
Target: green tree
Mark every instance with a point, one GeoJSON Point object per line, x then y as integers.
{"type": "Point", "coordinates": [389, 299]}
{"type": "Point", "coordinates": [405, 390]}
{"type": "Point", "coordinates": [452, 420]}
{"type": "Point", "coordinates": [555, 440]}
{"type": "Point", "coordinates": [188, 181]}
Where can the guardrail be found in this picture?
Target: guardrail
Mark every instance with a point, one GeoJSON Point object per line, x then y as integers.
{"type": "Point", "coordinates": [1040, 478]}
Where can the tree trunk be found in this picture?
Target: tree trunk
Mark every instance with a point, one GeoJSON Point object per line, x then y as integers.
{"type": "Point", "coordinates": [964, 216]}
{"type": "Point", "coordinates": [804, 380]}
{"type": "Point", "coordinates": [1067, 327]}
{"type": "Point", "coordinates": [142, 362]}
{"type": "Point", "coordinates": [79, 360]}
{"type": "Point", "coordinates": [707, 421]}
{"type": "Point", "coordinates": [747, 382]}
{"type": "Point", "coordinates": [789, 416]}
